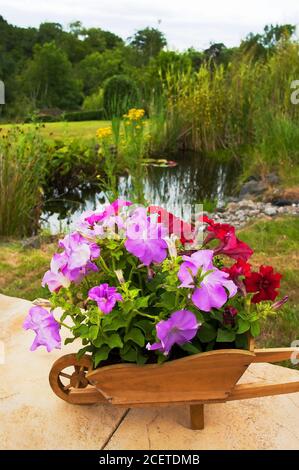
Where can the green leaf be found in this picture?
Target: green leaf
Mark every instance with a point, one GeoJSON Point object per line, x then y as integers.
{"type": "Point", "coordinates": [190, 348]}
{"type": "Point", "coordinates": [142, 302]}
{"type": "Point", "coordinates": [255, 328]}
{"type": "Point", "coordinates": [135, 335]}
{"type": "Point", "coordinates": [113, 341]}
{"type": "Point", "coordinates": [225, 336]}
{"type": "Point", "coordinates": [93, 332]}
{"type": "Point", "coordinates": [101, 355]}
{"type": "Point", "coordinates": [82, 351]}
{"type": "Point", "coordinates": [69, 340]}
{"type": "Point", "coordinates": [127, 306]}
{"type": "Point", "coordinates": [146, 326]}
{"type": "Point", "coordinates": [114, 321]}
{"type": "Point", "coordinates": [82, 331]}
{"type": "Point", "coordinates": [243, 326]}
{"type": "Point", "coordinates": [167, 301]}
{"type": "Point", "coordinates": [207, 333]}
{"type": "Point", "coordinates": [129, 354]}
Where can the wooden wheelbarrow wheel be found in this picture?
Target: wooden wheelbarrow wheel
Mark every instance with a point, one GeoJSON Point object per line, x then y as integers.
{"type": "Point", "coordinates": [68, 378]}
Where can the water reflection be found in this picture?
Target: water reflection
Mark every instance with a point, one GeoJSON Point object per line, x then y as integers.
{"type": "Point", "coordinates": [194, 180]}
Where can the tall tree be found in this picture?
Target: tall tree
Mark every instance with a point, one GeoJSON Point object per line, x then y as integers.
{"type": "Point", "coordinates": [148, 43]}
{"type": "Point", "coordinates": [49, 78]}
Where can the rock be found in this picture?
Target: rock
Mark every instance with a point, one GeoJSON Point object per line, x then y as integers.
{"type": "Point", "coordinates": [271, 211]}
{"type": "Point", "coordinates": [252, 188]}
{"type": "Point", "coordinates": [281, 202]}
{"type": "Point", "coordinates": [247, 204]}
{"type": "Point", "coordinates": [273, 178]}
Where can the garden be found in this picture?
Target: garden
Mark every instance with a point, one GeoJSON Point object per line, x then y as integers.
{"type": "Point", "coordinates": [149, 205]}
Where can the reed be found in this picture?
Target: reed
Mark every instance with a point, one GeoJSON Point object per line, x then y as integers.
{"type": "Point", "coordinates": [22, 174]}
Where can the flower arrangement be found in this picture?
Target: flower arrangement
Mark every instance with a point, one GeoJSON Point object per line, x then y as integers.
{"type": "Point", "coordinates": [134, 286]}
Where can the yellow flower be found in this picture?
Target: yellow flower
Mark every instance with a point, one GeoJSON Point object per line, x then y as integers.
{"type": "Point", "coordinates": [104, 132]}
{"type": "Point", "coordinates": [134, 114]}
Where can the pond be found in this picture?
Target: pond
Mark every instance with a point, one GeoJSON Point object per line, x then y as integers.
{"type": "Point", "coordinates": [195, 179]}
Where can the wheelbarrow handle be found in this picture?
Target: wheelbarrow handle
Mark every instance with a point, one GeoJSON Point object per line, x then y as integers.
{"type": "Point", "coordinates": [275, 354]}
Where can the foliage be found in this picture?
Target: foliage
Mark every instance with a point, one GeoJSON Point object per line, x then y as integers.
{"type": "Point", "coordinates": [22, 176]}
{"type": "Point", "coordinates": [49, 80]}
{"type": "Point", "coordinates": [120, 93]}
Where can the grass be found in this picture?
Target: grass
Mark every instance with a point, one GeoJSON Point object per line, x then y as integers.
{"type": "Point", "coordinates": [60, 130]}
{"type": "Point", "coordinates": [275, 242]}
{"type": "Point", "coordinates": [21, 269]}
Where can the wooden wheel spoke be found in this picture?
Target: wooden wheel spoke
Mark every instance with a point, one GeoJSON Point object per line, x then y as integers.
{"type": "Point", "coordinates": [63, 374]}
{"type": "Point", "coordinates": [67, 387]}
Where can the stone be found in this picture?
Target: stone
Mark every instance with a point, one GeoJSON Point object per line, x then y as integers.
{"type": "Point", "coordinates": [252, 188]}
{"type": "Point", "coordinates": [32, 417]}
{"type": "Point", "coordinates": [273, 178]}
{"type": "Point", "coordinates": [271, 211]}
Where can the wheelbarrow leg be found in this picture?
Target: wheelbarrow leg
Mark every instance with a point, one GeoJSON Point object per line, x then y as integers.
{"type": "Point", "coordinates": [197, 416]}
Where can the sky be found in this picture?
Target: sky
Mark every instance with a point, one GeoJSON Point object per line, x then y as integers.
{"type": "Point", "coordinates": [185, 23]}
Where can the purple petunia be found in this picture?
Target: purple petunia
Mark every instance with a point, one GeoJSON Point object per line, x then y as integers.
{"type": "Point", "coordinates": [209, 283]}
{"type": "Point", "coordinates": [145, 238]}
{"type": "Point", "coordinates": [45, 327]}
{"type": "Point", "coordinates": [180, 328]}
{"type": "Point", "coordinates": [105, 296]}
{"type": "Point", "coordinates": [73, 263]}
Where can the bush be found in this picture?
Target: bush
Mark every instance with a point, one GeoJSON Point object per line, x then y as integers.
{"type": "Point", "coordinates": [91, 115]}
{"type": "Point", "coordinates": [120, 94]}
{"type": "Point", "coordinates": [93, 101]}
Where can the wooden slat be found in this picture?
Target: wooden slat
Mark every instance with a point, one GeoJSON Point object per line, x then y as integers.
{"type": "Point", "coordinates": [273, 354]}
{"type": "Point", "coordinates": [85, 396]}
{"type": "Point", "coordinates": [200, 377]}
{"type": "Point", "coordinates": [255, 390]}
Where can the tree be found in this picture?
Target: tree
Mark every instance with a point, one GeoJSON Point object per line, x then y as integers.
{"type": "Point", "coordinates": [49, 78]}
{"type": "Point", "coordinates": [148, 43]}
{"type": "Point", "coordinates": [259, 45]}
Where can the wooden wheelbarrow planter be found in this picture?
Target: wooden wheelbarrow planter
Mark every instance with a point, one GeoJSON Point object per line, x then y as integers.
{"type": "Point", "coordinates": [209, 377]}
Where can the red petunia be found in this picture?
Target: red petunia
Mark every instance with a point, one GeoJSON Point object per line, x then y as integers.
{"type": "Point", "coordinates": [263, 283]}
{"type": "Point", "coordinates": [229, 244]}
{"type": "Point", "coordinates": [175, 225]}
{"type": "Point", "coordinates": [240, 268]}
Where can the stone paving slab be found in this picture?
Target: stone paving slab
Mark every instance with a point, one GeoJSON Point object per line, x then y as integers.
{"type": "Point", "coordinates": [32, 417]}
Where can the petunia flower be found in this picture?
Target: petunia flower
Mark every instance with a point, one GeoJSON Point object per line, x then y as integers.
{"type": "Point", "coordinates": [237, 272]}
{"type": "Point", "coordinates": [105, 296]}
{"type": "Point", "coordinates": [45, 327]}
{"type": "Point", "coordinates": [73, 263]}
{"type": "Point", "coordinates": [229, 244]}
{"type": "Point", "coordinates": [145, 238]}
{"type": "Point", "coordinates": [179, 329]}
{"type": "Point", "coordinates": [211, 287]}
{"type": "Point", "coordinates": [111, 210]}
{"type": "Point", "coordinates": [263, 283]}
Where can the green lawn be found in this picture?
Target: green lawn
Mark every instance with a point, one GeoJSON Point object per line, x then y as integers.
{"type": "Point", "coordinates": [275, 242]}
{"type": "Point", "coordinates": [84, 129]}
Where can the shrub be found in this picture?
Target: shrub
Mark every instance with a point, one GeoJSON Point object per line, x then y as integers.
{"type": "Point", "coordinates": [120, 94]}
{"type": "Point", "coordinates": [90, 115]}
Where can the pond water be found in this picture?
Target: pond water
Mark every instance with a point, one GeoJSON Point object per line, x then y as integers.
{"type": "Point", "coordinates": [195, 179]}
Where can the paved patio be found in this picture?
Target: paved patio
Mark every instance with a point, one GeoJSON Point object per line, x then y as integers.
{"type": "Point", "coordinates": [32, 417]}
